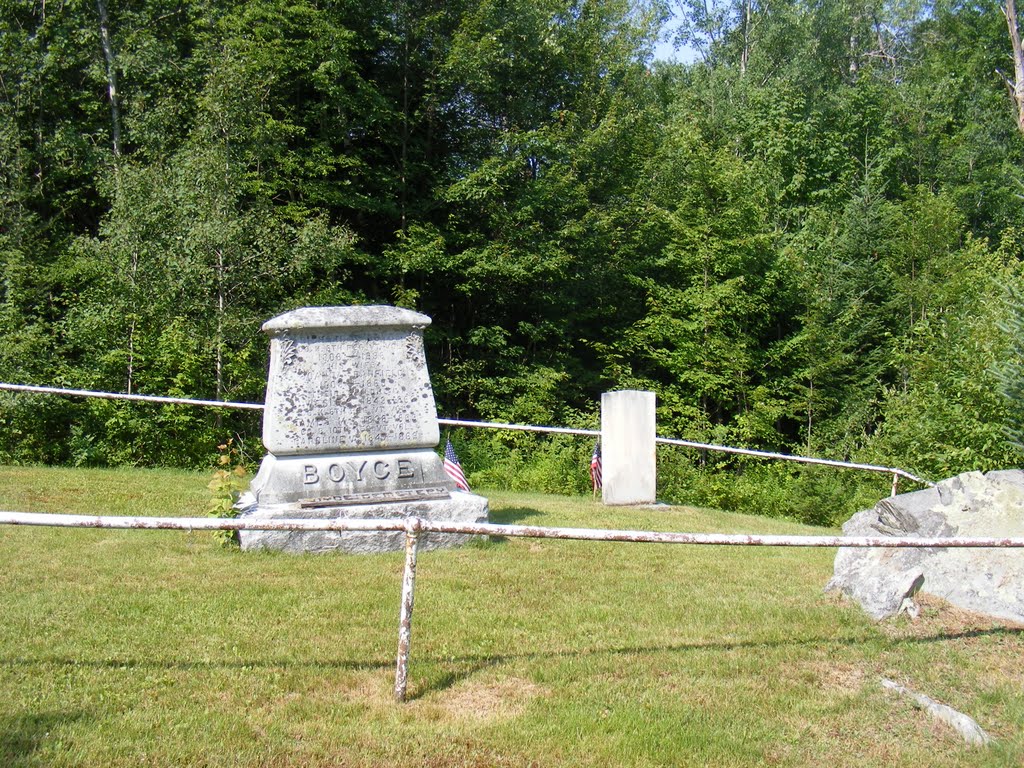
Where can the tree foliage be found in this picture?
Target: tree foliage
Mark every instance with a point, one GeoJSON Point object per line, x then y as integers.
{"type": "Point", "coordinates": [807, 240]}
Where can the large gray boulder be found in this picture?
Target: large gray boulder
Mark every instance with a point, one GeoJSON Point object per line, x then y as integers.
{"type": "Point", "coordinates": [989, 581]}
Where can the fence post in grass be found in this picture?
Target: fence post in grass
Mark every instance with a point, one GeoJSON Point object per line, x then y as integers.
{"type": "Point", "coordinates": [627, 447]}
{"type": "Point", "coordinates": [895, 483]}
{"type": "Point", "coordinates": [412, 536]}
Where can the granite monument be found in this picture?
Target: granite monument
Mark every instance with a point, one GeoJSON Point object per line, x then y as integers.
{"type": "Point", "coordinates": [350, 427]}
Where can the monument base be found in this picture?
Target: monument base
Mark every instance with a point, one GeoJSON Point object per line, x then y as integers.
{"type": "Point", "coordinates": [459, 508]}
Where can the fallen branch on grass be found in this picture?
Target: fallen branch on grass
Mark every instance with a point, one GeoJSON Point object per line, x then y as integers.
{"type": "Point", "coordinates": [966, 726]}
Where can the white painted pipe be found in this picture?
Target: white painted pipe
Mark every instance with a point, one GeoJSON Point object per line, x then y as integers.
{"type": "Point", "coordinates": [495, 529]}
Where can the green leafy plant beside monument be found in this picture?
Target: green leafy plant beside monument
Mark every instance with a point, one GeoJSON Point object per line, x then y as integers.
{"type": "Point", "coordinates": [228, 481]}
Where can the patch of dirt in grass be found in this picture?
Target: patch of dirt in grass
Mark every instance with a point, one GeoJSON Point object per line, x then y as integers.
{"type": "Point", "coordinates": [489, 700]}
{"type": "Point", "coordinates": [371, 689]}
{"type": "Point", "coordinates": [839, 677]}
{"type": "Point", "coordinates": [468, 700]}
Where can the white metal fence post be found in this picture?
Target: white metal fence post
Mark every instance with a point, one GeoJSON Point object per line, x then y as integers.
{"type": "Point", "coordinates": [412, 536]}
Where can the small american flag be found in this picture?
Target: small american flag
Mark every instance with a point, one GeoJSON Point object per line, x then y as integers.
{"type": "Point", "coordinates": [595, 466]}
{"type": "Point", "coordinates": [453, 468]}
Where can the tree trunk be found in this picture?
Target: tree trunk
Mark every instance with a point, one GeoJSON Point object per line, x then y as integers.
{"type": "Point", "coordinates": [133, 281]}
{"type": "Point", "coordinates": [747, 21]}
{"type": "Point", "coordinates": [810, 414]}
{"type": "Point", "coordinates": [108, 54]}
{"type": "Point", "coordinates": [131, 356]}
{"type": "Point", "coordinates": [219, 340]}
{"type": "Point", "coordinates": [405, 27]}
{"type": "Point", "coordinates": [1017, 86]}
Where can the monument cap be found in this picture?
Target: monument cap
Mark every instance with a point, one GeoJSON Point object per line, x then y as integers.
{"type": "Point", "coordinates": [378, 316]}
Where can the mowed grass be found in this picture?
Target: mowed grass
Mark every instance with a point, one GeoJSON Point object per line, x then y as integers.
{"type": "Point", "coordinates": [160, 648]}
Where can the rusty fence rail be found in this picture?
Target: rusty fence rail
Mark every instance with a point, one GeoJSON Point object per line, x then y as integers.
{"type": "Point", "coordinates": [414, 526]}
{"type": "Point", "coordinates": [896, 472]}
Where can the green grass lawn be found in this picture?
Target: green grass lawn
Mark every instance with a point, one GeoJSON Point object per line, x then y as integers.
{"type": "Point", "coordinates": [138, 648]}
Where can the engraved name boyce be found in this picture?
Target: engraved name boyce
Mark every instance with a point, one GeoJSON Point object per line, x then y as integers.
{"type": "Point", "coordinates": [359, 471]}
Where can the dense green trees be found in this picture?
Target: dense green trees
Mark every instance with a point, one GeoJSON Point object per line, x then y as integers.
{"type": "Point", "coordinates": [807, 240]}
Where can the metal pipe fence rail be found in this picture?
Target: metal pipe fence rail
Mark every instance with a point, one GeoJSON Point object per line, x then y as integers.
{"type": "Point", "coordinates": [32, 389]}
{"type": "Point", "coordinates": [894, 471]}
{"type": "Point", "coordinates": [414, 527]}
